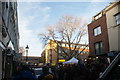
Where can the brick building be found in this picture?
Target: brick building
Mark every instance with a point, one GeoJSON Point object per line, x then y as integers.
{"type": "Point", "coordinates": [31, 60]}
{"type": "Point", "coordinates": [98, 37]}
{"type": "Point", "coordinates": [55, 54]}
{"type": "Point", "coordinates": [104, 30]}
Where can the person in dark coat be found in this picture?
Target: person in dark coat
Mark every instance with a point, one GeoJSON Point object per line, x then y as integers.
{"type": "Point", "coordinates": [61, 73]}
{"type": "Point", "coordinates": [69, 74]}
{"type": "Point", "coordinates": [25, 74]}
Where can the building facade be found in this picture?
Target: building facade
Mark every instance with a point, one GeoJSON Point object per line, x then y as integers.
{"type": "Point", "coordinates": [54, 53]}
{"type": "Point", "coordinates": [113, 26]}
{"type": "Point", "coordinates": [98, 37]}
{"type": "Point", "coordinates": [9, 37]}
{"type": "Point", "coordinates": [31, 60]}
{"type": "Point", "coordinates": [104, 30]}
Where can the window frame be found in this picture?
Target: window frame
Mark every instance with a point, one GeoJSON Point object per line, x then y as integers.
{"type": "Point", "coordinates": [97, 31]}
{"type": "Point", "coordinates": [117, 20]}
{"type": "Point", "coordinates": [100, 47]}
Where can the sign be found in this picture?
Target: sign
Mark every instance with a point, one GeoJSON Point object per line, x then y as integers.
{"type": "Point", "coordinates": [61, 60]}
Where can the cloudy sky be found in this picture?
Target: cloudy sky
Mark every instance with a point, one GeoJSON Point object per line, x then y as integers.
{"type": "Point", "coordinates": [33, 16]}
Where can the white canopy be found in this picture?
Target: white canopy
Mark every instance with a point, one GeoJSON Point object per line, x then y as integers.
{"type": "Point", "coordinates": [72, 60]}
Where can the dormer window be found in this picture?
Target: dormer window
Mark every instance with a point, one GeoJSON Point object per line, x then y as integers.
{"type": "Point", "coordinates": [98, 16]}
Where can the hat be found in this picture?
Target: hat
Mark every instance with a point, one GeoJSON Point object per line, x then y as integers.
{"type": "Point", "coordinates": [49, 76]}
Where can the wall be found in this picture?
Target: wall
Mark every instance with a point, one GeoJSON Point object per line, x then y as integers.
{"type": "Point", "coordinates": [102, 37]}
{"type": "Point", "coordinates": [113, 29]}
{"type": "Point", "coordinates": [54, 57]}
{"type": "Point", "coordinates": [0, 63]}
{"type": "Point", "coordinates": [8, 33]}
{"type": "Point", "coordinates": [119, 37]}
{"type": "Point", "coordinates": [52, 53]}
{"type": "Point", "coordinates": [31, 59]}
{"type": "Point", "coordinates": [0, 40]}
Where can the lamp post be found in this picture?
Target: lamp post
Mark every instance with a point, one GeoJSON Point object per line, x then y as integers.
{"type": "Point", "coordinates": [26, 52]}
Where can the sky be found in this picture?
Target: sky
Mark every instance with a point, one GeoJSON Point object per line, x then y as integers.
{"type": "Point", "coordinates": [34, 16]}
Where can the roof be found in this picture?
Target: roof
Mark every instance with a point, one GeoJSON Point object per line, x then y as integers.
{"type": "Point", "coordinates": [107, 8]}
{"type": "Point", "coordinates": [31, 56]}
{"type": "Point", "coordinates": [72, 60]}
{"type": "Point", "coordinates": [66, 42]}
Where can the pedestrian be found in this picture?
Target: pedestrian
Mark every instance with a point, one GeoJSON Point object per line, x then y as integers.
{"type": "Point", "coordinates": [61, 73]}
{"type": "Point", "coordinates": [69, 74]}
{"type": "Point", "coordinates": [25, 74]}
{"type": "Point", "coordinates": [46, 75]}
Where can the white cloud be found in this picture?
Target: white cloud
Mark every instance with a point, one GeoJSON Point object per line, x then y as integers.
{"type": "Point", "coordinates": [45, 9]}
{"type": "Point", "coordinates": [29, 36]}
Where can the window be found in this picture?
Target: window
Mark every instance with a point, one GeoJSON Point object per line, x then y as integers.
{"type": "Point", "coordinates": [72, 45]}
{"type": "Point", "coordinates": [98, 47]}
{"type": "Point", "coordinates": [50, 51]}
{"type": "Point", "coordinates": [3, 8]}
{"type": "Point", "coordinates": [83, 47]}
{"type": "Point", "coordinates": [6, 5]}
{"type": "Point", "coordinates": [63, 45]}
{"type": "Point", "coordinates": [117, 17]}
{"type": "Point", "coordinates": [4, 32]}
{"type": "Point", "coordinates": [97, 31]}
{"type": "Point", "coordinates": [98, 16]}
{"type": "Point", "coordinates": [59, 51]}
{"type": "Point", "coordinates": [67, 45]}
{"type": "Point", "coordinates": [86, 52]}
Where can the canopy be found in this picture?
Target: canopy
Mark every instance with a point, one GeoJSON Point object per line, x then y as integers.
{"type": "Point", "coordinates": [72, 60]}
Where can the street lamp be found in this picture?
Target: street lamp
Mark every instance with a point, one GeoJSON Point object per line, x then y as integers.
{"type": "Point", "coordinates": [26, 52]}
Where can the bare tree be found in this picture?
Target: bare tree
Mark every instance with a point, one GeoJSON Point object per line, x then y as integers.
{"type": "Point", "coordinates": [69, 30]}
{"type": "Point", "coordinates": [22, 50]}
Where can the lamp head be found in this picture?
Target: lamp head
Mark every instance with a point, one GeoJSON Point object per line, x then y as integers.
{"type": "Point", "coordinates": [27, 47]}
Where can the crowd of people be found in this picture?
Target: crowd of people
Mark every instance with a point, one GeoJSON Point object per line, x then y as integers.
{"type": "Point", "coordinates": [89, 70]}
{"type": "Point", "coordinates": [81, 71]}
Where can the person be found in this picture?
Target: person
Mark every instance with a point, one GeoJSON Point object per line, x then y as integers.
{"type": "Point", "coordinates": [46, 75]}
{"type": "Point", "coordinates": [81, 71]}
{"type": "Point", "coordinates": [25, 74]}
{"type": "Point", "coordinates": [4, 79]}
{"type": "Point", "coordinates": [17, 73]}
{"type": "Point", "coordinates": [61, 73]}
{"type": "Point", "coordinates": [68, 73]}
